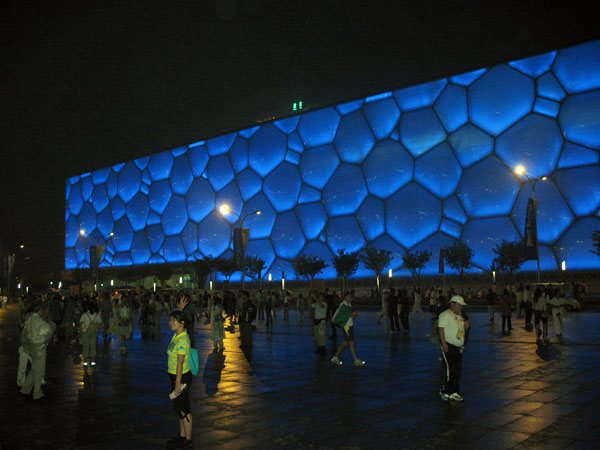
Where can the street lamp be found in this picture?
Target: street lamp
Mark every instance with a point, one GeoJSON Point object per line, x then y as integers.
{"type": "Point", "coordinates": [99, 250]}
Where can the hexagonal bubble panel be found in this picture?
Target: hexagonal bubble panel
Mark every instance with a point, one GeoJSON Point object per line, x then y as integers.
{"type": "Point", "coordinates": [371, 218]}
{"type": "Point", "coordinates": [438, 170]}
{"type": "Point", "coordinates": [117, 167]}
{"type": "Point", "coordinates": [145, 189]}
{"type": "Point", "coordinates": [318, 164]}
{"type": "Point", "coordinates": [453, 210]}
{"type": "Point", "coordinates": [156, 237]}
{"type": "Point", "coordinates": [482, 235]}
{"type": "Point", "coordinates": [159, 195]}
{"type": "Point", "coordinates": [582, 196]}
{"type": "Point", "coordinates": [130, 179]}
{"type": "Point", "coordinates": [287, 236]}
{"type": "Point", "coordinates": [345, 191]}
{"type": "Point", "coordinates": [578, 68]}
{"type": "Point", "coordinates": [87, 218]}
{"type": "Point", "coordinates": [249, 183]}
{"type": "Point", "coordinates": [470, 144]}
{"type": "Point", "coordinates": [450, 227]}
{"type": "Point", "coordinates": [261, 224]}
{"type": "Point", "coordinates": [347, 108]}
{"type": "Point", "coordinates": [385, 242]}
{"type": "Point", "coordinates": [412, 214]}
{"type": "Point", "coordinates": [344, 232]}
{"type": "Point", "coordinates": [189, 237]}
{"type": "Point", "coordinates": [546, 107]}
{"type": "Point", "coordinates": [123, 235]}
{"type": "Point", "coordinates": [231, 197]}
{"type": "Point", "coordinates": [553, 217]}
{"type": "Point", "coordinates": [382, 117]}
{"type": "Point", "coordinates": [174, 250]}
{"type": "Point", "coordinates": [105, 222]}
{"type": "Point", "coordinates": [387, 168]}
{"type": "Point", "coordinates": [287, 125]}
{"type": "Point", "coordinates": [157, 259]}
{"type": "Point", "coordinates": [117, 208]}
{"type": "Point", "coordinates": [282, 187]}
{"type": "Point", "coordinates": [160, 165]}
{"type": "Point", "coordinates": [122, 259]}
{"type": "Point", "coordinates": [263, 249]}
{"type": "Point", "coordinates": [292, 157]}
{"type": "Point", "coordinates": [354, 139]}
{"type": "Point", "coordinates": [220, 144]}
{"type": "Point", "coordinates": [574, 155]}
{"type": "Point", "coordinates": [181, 175]}
{"type": "Point", "coordinates": [175, 216]}
{"type": "Point", "coordinates": [86, 188]}
{"type": "Point", "coordinates": [580, 118]}
{"type": "Point", "coordinates": [220, 172]}
{"type": "Point", "coordinates": [318, 127]}
{"type": "Point", "coordinates": [70, 259]}
{"type": "Point", "coordinates": [81, 253]}
{"type": "Point", "coordinates": [549, 87]}
{"type": "Point", "coordinates": [488, 189]}
{"type": "Point", "coordinates": [74, 200]}
{"type": "Point", "coordinates": [142, 162]}
{"type": "Point", "coordinates": [421, 130]}
{"type": "Point", "coordinates": [500, 98]}
{"type": "Point", "coordinates": [99, 198]}
{"type": "Point", "coordinates": [99, 176]}
{"type": "Point", "coordinates": [466, 79]}
{"type": "Point", "coordinates": [137, 212]}
{"type": "Point", "coordinates": [280, 266]}
{"type": "Point", "coordinates": [267, 149]}
{"type": "Point", "coordinates": [420, 96]}
{"type": "Point", "coordinates": [198, 156]}
{"type": "Point", "coordinates": [451, 107]}
{"type": "Point", "coordinates": [320, 250]}
{"type": "Point", "coordinates": [295, 143]}
{"type": "Point", "coordinates": [111, 185]}
{"type": "Point", "coordinates": [200, 200]}
{"type": "Point", "coordinates": [313, 218]}
{"type": "Point", "coordinates": [536, 65]}
{"type": "Point", "coordinates": [534, 142]}
{"type": "Point", "coordinates": [575, 247]}
{"type": "Point", "coordinates": [71, 231]}
{"type": "Point", "coordinates": [433, 244]}
{"type": "Point", "coordinates": [153, 218]}
{"type": "Point", "coordinates": [249, 132]}
{"type": "Point", "coordinates": [214, 234]}
{"type": "Point", "coordinates": [308, 194]}
{"type": "Point", "coordinates": [547, 261]}
{"type": "Point", "coordinates": [140, 250]}
{"type": "Point", "coordinates": [377, 97]}
{"type": "Point", "coordinates": [178, 151]}
{"type": "Point", "coordinates": [239, 155]}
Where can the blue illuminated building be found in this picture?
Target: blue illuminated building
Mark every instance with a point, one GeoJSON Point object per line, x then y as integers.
{"type": "Point", "coordinates": [416, 168]}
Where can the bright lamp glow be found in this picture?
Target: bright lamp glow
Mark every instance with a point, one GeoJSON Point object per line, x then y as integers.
{"type": "Point", "coordinates": [224, 209]}
{"type": "Point", "coordinates": [520, 170]}
{"type": "Point", "coordinates": [82, 232]}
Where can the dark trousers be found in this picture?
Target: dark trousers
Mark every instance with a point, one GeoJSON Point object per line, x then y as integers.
{"type": "Point", "coordinates": [269, 314]}
{"type": "Point", "coordinates": [451, 368]}
{"type": "Point", "coordinates": [246, 334]}
{"type": "Point", "coordinates": [504, 321]}
{"type": "Point", "coordinates": [394, 324]}
{"type": "Point", "coordinates": [528, 313]}
{"type": "Point", "coordinates": [404, 320]}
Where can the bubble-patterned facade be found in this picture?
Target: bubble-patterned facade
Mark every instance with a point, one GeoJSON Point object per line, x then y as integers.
{"type": "Point", "coordinates": [416, 168]}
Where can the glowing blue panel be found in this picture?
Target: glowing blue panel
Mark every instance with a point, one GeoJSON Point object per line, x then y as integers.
{"type": "Point", "coordinates": [189, 238]}
{"type": "Point", "coordinates": [488, 189]}
{"type": "Point", "coordinates": [118, 208]}
{"type": "Point", "coordinates": [282, 187]}
{"type": "Point", "coordinates": [580, 118]}
{"type": "Point", "coordinates": [111, 185]}
{"type": "Point", "coordinates": [281, 265]}
{"type": "Point", "coordinates": [344, 232]}
{"type": "Point", "coordinates": [87, 218]}
{"type": "Point", "coordinates": [451, 107]}
{"type": "Point", "coordinates": [220, 144]}
{"type": "Point", "coordinates": [466, 79]}
{"type": "Point", "coordinates": [71, 231]}
{"type": "Point", "coordinates": [181, 176]}
{"type": "Point", "coordinates": [99, 176]}
{"type": "Point", "coordinates": [534, 142]}
{"type": "Point", "coordinates": [159, 196]}
{"type": "Point", "coordinates": [345, 191]}
{"type": "Point", "coordinates": [74, 179]}
{"type": "Point", "coordinates": [70, 259]}
{"type": "Point", "coordinates": [153, 218]}
{"type": "Point", "coordinates": [178, 151]}
{"type": "Point", "coordinates": [575, 247]}
{"type": "Point", "coordinates": [174, 250]}
{"type": "Point", "coordinates": [574, 155]}
{"type": "Point", "coordinates": [454, 211]}
{"type": "Point", "coordinates": [263, 249]}
{"type": "Point", "coordinates": [214, 234]}
{"type": "Point", "coordinates": [123, 235]}
{"type": "Point", "coordinates": [371, 218]}
{"type": "Point", "coordinates": [354, 139]}
{"type": "Point", "coordinates": [420, 130]}
{"type": "Point", "coordinates": [382, 117]}
{"type": "Point", "coordinates": [536, 65]}
{"type": "Point", "coordinates": [267, 149]}
{"type": "Point", "coordinates": [578, 68]}
{"type": "Point", "coordinates": [308, 194]}
{"type": "Point", "coordinates": [320, 250]}
{"type": "Point", "coordinates": [554, 216]}
{"type": "Point", "coordinates": [142, 162]}
{"type": "Point", "coordinates": [249, 132]}
{"type": "Point", "coordinates": [86, 188]}
{"type": "Point", "coordinates": [377, 97]}
{"type": "Point", "coordinates": [122, 259]}
{"type": "Point", "coordinates": [416, 97]}
{"type": "Point", "coordinates": [318, 127]}
{"type": "Point", "coordinates": [220, 172]}
{"type": "Point", "coordinates": [433, 244]}
{"type": "Point", "coordinates": [470, 144]}
{"type": "Point", "coordinates": [347, 108]}
{"type": "Point", "coordinates": [200, 200]}
{"type": "Point", "coordinates": [287, 236]}
{"type": "Point", "coordinates": [500, 98]}
{"type": "Point", "coordinates": [287, 125]}
{"type": "Point", "coordinates": [175, 216]}
{"type": "Point", "coordinates": [313, 219]}
{"type": "Point", "coordinates": [582, 195]}
{"type": "Point", "coordinates": [548, 87]}
{"type": "Point", "coordinates": [140, 250]}
{"type": "Point", "coordinates": [438, 170]}
{"type": "Point", "coordinates": [198, 160]}
{"type": "Point", "coordinates": [130, 179]}
{"type": "Point", "coordinates": [261, 224]}
{"type": "Point", "coordinates": [292, 157]}
{"type": "Point", "coordinates": [239, 155]}
{"type": "Point", "coordinates": [546, 107]}
{"type": "Point", "coordinates": [483, 235]}
{"type": "Point", "coordinates": [412, 214]}
{"type": "Point", "coordinates": [117, 167]}
{"type": "Point", "coordinates": [75, 201]}
{"type": "Point", "coordinates": [295, 143]}
{"type": "Point", "coordinates": [157, 259]}
{"type": "Point", "coordinates": [230, 196]}
{"type": "Point", "coordinates": [105, 222]}
{"type": "Point", "coordinates": [547, 261]}
{"type": "Point", "coordinates": [318, 164]}
{"type": "Point", "coordinates": [160, 165]}
{"type": "Point", "coordinates": [137, 212]}
{"type": "Point", "coordinates": [144, 189]}
{"type": "Point", "coordinates": [156, 237]}
{"type": "Point", "coordinates": [387, 168]}
{"type": "Point", "coordinates": [81, 253]}
{"type": "Point", "coordinates": [452, 228]}
{"type": "Point", "coordinates": [249, 183]}
{"type": "Point", "coordinates": [146, 177]}
{"type": "Point", "coordinates": [387, 243]}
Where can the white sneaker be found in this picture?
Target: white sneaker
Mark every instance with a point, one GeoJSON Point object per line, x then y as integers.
{"type": "Point", "coordinates": [336, 361]}
{"type": "Point", "coordinates": [445, 397]}
{"type": "Point", "coordinates": [456, 397]}
{"type": "Point", "coordinates": [93, 363]}
{"type": "Point", "coordinates": [359, 363]}
{"type": "Point", "coordinates": [85, 363]}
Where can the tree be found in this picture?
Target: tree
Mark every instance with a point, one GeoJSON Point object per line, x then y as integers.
{"type": "Point", "coordinates": [596, 242]}
{"type": "Point", "coordinates": [511, 256]}
{"type": "Point", "coordinates": [415, 262]}
{"type": "Point", "coordinates": [308, 266]}
{"type": "Point", "coordinates": [376, 260]}
{"type": "Point", "coordinates": [458, 257]}
{"type": "Point", "coordinates": [226, 266]}
{"type": "Point", "coordinates": [346, 265]}
{"type": "Point", "coordinates": [253, 267]}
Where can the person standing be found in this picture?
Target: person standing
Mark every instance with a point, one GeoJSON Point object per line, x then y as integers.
{"type": "Point", "coordinates": [491, 302]}
{"type": "Point", "coordinates": [451, 329]}
{"type": "Point", "coordinates": [123, 324]}
{"type": "Point", "coordinates": [383, 313]}
{"type": "Point", "coordinates": [90, 323]}
{"type": "Point", "coordinates": [506, 310]}
{"type": "Point", "coordinates": [392, 310]}
{"type": "Point", "coordinates": [404, 310]}
{"type": "Point", "coordinates": [217, 330]}
{"type": "Point", "coordinates": [246, 316]}
{"type": "Point", "coordinates": [319, 306]}
{"type": "Point", "coordinates": [519, 297]}
{"type": "Point", "coordinates": [528, 306]}
{"type": "Point", "coordinates": [557, 303]}
{"type": "Point", "coordinates": [344, 318]}
{"type": "Point", "coordinates": [286, 305]}
{"type": "Point", "coordinates": [105, 306]}
{"type": "Point", "coordinates": [417, 305]}
{"type": "Point", "coordinates": [333, 304]}
{"type": "Point", "coordinates": [540, 315]}
{"type": "Point", "coordinates": [269, 309]}
{"type": "Point", "coordinates": [300, 307]}
{"type": "Point", "coordinates": [260, 298]}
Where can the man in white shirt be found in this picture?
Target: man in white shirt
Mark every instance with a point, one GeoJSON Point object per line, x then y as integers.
{"type": "Point", "coordinates": [451, 328]}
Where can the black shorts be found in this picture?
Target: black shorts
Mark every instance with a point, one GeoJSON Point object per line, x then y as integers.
{"type": "Point", "coordinates": [349, 335]}
{"type": "Point", "coordinates": [181, 404]}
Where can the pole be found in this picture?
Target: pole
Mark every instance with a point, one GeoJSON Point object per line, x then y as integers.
{"type": "Point", "coordinates": [537, 243]}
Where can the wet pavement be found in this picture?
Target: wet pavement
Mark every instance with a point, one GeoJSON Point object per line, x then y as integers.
{"type": "Point", "coordinates": [283, 395]}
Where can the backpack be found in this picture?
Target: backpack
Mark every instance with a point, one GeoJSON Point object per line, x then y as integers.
{"type": "Point", "coordinates": [194, 363]}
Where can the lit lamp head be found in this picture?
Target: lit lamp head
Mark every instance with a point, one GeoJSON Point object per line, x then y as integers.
{"type": "Point", "coordinates": [520, 170]}
{"type": "Point", "coordinates": [82, 232]}
{"type": "Point", "coordinates": [224, 208]}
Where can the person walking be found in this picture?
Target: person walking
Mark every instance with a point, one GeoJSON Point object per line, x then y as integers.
{"type": "Point", "coordinates": [417, 306]}
{"type": "Point", "coordinates": [451, 330]}
{"type": "Point", "coordinates": [90, 322]}
{"type": "Point", "coordinates": [540, 315]}
{"type": "Point", "coordinates": [105, 306]}
{"type": "Point", "coordinates": [392, 311]}
{"type": "Point", "coordinates": [333, 304]}
{"type": "Point", "coordinates": [344, 318]}
{"type": "Point", "coordinates": [506, 310]}
{"type": "Point", "coordinates": [319, 306]}
{"type": "Point", "coordinates": [491, 302]}
{"type": "Point", "coordinates": [557, 303]}
{"type": "Point", "coordinates": [269, 309]}
{"type": "Point", "coordinates": [404, 310]}
{"type": "Point", "coordinates": [528, 306]}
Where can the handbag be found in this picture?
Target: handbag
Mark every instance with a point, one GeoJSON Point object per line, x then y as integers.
{"type": "Point", "coordinates": [194, 362]}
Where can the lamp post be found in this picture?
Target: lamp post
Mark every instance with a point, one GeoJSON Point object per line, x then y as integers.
{"type": "Point", "coordinates": [94, 263]}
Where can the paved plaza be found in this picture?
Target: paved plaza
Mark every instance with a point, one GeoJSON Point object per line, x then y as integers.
{"type": "Point", "coordinates": [284, 395]}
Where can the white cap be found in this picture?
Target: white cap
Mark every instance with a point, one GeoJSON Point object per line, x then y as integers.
{"type": "Point", "coordinates": [458, 299]}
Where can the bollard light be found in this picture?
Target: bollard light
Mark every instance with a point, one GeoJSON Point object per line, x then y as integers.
{"type": "Point", "coordinates": [154, 286]}
{"type": "Point", "coordinates": [390, 273]}
{"type": "Point", "coordinates": [59, 284]}
{"type": "Point", "coordinates": [211, 288]}
{"type": "Point", "coordinates": [494, 276]}
{"type": "Point", "coordinates": [564, 266]}
{"type": "Point", "coordinates": [270, 277]}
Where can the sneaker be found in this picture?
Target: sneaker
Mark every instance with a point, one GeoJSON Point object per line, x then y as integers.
{"type": "Point", "coordinates": [85, 363]}
{"type": "Point", "coordinates": [336, 361]}
{"type": "Point", "coordinates": [456, 397]}
{"type": "Point", "coordinates": [359, 363]}
{"type": "Point", "coordinates": [444, 396]}
{"type": "Point", "coordinates": [176, 441]}
{"type": "Point", "coordinates": [185, 444]}
{"type": "Point", "coordinates": [93, 363]}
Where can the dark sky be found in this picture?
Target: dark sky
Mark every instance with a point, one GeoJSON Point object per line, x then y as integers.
{"type": "Point", "coordinates": [84, 85]}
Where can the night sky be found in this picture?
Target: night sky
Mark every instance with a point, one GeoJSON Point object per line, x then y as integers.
{"type": "Point", "coordinates": [85, 85]}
